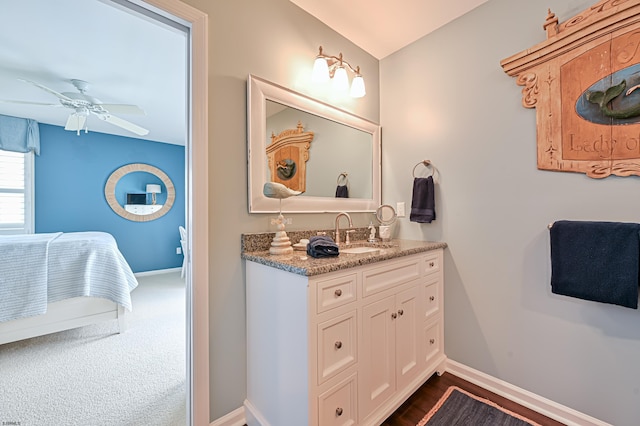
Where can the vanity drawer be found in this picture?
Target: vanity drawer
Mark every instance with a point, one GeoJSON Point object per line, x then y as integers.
{"type": "Point", "coordinates": [337, 343]}
{"type": "Point", "coordinates": [432, 262]}
{"type": "Point", "coordinates": [338, 405]}
{"type": "Point", "coordinates": [335, 292]}
{"type": "Point", "coordinates": [432, 340]}
{"type": "Point", "coordinates": [431, 296]}
{"type": "Point", "coordinates": [375, 280]}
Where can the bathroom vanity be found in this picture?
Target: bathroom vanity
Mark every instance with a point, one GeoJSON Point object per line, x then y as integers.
{"type": "Point", "coordinates": [344, 340]}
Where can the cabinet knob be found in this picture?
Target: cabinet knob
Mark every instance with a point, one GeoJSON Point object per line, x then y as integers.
{"type": "Point", "coordinates": [432, 298]}
{"type": "Point", "coordinates": [432, 341]}
{"type": "Point", "coordinates": [338, 412]}
{"type": "Point", "coordinates": [401, 311]}
{"type": "Point", "coordinates": [394, 315]}
{"type": "Point", "coordinates": [338, 344]}
{"type": "Point", "coordinates": [432, 264]}
{"type": "Point", "coordinates": [338, 293]}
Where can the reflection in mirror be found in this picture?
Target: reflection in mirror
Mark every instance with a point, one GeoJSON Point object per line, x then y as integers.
{"type": "Point", "coordinates": [342, 144]}
{"type": "Point", "coordinates": [132, 193]}
{"type": "Point", "coordinates": [336, 148]}
{"type": "Point", "coordinates": [131, 189]}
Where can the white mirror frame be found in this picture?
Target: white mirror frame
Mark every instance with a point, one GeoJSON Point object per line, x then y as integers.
{"type": "Point", "coordinates": [258, 92]}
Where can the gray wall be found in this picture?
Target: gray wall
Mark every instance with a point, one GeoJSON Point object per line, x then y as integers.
{"type": "Point", "coordinates": [463, 113]}
{"type": "Point", "coordinates": [277, 41]}
{"type": "Point", "coordinates": [493, 207]}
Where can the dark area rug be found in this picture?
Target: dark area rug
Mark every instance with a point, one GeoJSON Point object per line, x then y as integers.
{"type": "Point", "coordinates": [458, 407]}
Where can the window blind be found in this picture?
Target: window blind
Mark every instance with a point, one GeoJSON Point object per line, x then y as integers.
{"type": "Point", "coordinates": [16, 192]}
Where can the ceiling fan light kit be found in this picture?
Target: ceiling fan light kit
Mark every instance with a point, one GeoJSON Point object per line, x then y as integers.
{"type": "Point", "coordinates": [83, 105]}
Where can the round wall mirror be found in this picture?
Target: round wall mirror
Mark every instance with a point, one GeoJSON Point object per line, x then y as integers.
{"type": "Point", "coordinates": [139, 192]}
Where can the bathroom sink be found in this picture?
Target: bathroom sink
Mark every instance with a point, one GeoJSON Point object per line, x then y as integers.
{"type": "Point", "coordinates": [359, 250]}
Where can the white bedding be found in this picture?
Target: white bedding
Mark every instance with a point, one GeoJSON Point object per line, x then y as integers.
{"type": "Point", "coordinates": [75, 264]}
{"type": "Point", "coordinates": [23, 290]}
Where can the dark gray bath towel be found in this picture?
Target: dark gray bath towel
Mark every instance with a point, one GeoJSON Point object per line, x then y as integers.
{"type": "Point", "coordinates": [322, 246]}
{"type": "Point", "coordinates": [596, 261]}
{"type": "Point", "coordinates": [423, 205]}
{"type": "Point", "coordinates": [342, 191]}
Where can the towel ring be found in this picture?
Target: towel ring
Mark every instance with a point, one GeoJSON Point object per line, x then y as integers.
{"type": "Point", "coordinates": [428, 164]}
{"type": "Point", "coordinates": [344, 178]}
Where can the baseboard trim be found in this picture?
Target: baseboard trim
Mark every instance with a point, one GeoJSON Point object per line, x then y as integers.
{"type": "Point", "coordinates": [156, 272]}
{"type": "Point", "coordinates": [551, 409]}
{"type": "Point", "coordinates": [544, 406]}
{"type": "Point", "coordinates": [234, 418]}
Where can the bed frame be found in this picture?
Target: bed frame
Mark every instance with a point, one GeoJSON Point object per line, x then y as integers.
{"type": "Point", "coordinates": [63, 315]}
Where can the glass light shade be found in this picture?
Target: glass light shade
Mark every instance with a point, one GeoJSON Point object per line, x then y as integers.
{"type": "Point", "coordinates": [320, 71]}
{"type": "Point", "coordinates": [341, 80]}
{"type": "Point", "coordinates": [153, 189]}
{"type": "Point", "coordinates": [357, 87]}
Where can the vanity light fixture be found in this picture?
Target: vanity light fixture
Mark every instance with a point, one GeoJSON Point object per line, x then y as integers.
{"type": "Point", "coordinates": [153, 189]}
{"type": "Point", "coordinates": [328, 67]}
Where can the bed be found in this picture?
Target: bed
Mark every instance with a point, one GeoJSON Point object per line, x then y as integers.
{"type": "Point", "coordinates": [59, 281]}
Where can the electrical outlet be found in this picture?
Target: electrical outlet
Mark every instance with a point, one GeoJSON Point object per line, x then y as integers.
{"type": "Point", "coordinates": [178, 250]}
{"type": "Point", "coordinates": [400, 209]}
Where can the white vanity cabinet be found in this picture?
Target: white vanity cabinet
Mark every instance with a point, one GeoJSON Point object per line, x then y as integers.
{"type": "Point", "coordinates": [341, 348]}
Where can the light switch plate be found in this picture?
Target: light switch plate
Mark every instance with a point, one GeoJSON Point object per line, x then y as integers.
{"type": "Point", "coordinates": [400, 209]}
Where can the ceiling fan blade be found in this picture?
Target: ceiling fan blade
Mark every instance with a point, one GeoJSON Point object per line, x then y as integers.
{"type": "Point", "coordinates": [46, 89]}
{"type": "Point", "coordinates": [75, 122]}
{"type": "Point", "coordinates": [123, 109]}
{"type": "Point", "coordinates": [134, 128]}
{"type": "Point", "coordinates": [5, 101]}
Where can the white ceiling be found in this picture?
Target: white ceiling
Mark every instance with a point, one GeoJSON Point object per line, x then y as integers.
{"type": "Point", "coordinates": [126, 59]}
{"type": "Point", "coordinates": [382, 27]}
{"type": "Point", "coordinates": [129, 59]}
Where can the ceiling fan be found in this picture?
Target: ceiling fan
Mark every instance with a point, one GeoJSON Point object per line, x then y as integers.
{"type": "Point", "coordinates": [83, 105]}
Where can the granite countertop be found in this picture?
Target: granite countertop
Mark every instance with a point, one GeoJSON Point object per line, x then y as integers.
{"type": "Point", "coordinates": [300, 263]}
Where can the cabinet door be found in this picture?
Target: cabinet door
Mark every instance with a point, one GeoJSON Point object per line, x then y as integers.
{"type": "Point", "coordinates": [431, 296]}
{"type": "Point", "coordinates": [337, 348]}
{"type": "Point", "coordinates": [337, 406]}
{"type": "Point", "coordinates": [378, 366]}
{"type": "Point", "coordinates": [432, 341]}
{"type": "Point", "coordinates": [407, 322]}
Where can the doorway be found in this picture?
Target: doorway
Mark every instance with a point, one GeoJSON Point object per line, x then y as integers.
{"type": "Point", "coordinates": [197, 208]}
{"type": "Point", "coordinates": [196, 341]}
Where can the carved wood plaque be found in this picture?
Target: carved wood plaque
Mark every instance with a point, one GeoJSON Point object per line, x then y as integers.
{"type": "Point", "coordinates": [584, 82]}
{"type": "Point", "coordinates": [287, 155]}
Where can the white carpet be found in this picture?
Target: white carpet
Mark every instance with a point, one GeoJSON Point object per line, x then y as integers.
{"type": "Point", "coordinates": [93, 376]}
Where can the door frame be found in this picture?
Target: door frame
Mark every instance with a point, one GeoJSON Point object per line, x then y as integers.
{"type": "Point", "coordinates": [197, 208]}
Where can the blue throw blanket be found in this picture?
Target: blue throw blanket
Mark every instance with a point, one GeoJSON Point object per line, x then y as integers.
{"type": "Point", "coordinates": [322, 246]}
{"type": "Point", "coordinates": [596, 261]}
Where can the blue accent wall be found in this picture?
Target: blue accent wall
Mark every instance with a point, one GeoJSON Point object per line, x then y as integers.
{"type": "Point", "coordinates": [70, 174]}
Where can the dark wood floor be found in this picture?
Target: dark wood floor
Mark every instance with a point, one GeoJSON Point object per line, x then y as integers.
{"type": "Point", "coordinates": [419, 404]}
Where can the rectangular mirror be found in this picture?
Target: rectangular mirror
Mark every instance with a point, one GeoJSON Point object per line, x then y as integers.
{"type": "Point", "coordinates": [317, 147]}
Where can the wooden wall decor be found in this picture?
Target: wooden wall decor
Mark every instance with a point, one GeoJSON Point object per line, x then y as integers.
{"type": "Point", "coordinates": [288, 154]}
{"type": "Point", "coordinates": [582, 81]}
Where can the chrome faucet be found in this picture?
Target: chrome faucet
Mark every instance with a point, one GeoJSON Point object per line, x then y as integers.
{"type": "Point", "coordinates": [338, 225]}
